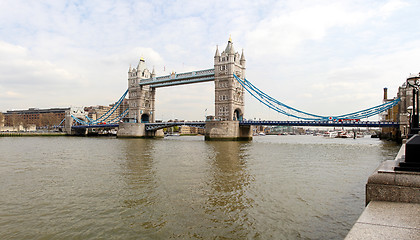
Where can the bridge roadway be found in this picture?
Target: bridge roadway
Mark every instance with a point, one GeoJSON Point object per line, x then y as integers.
{"type": "Point", "coordinates": [202, 124]}
{"type": "Point", "coordinates": [205, 75]}
{"type": "Point", "coordinates": [322, 123]}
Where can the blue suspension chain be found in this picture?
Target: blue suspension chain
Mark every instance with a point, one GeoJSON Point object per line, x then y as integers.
{"type": "Point", "coordinates": [272, 104]}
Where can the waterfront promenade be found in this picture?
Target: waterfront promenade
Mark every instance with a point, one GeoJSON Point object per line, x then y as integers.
{"type": "Point", "coordinates": [393, 204]}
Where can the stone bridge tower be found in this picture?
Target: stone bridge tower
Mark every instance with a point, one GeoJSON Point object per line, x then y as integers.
{"type": "Point", "coordinates": [141, 99]}
{"type": "Point", "coordinates": [229, 97]}
{"type": "Point", "coordinates": [229, 93]}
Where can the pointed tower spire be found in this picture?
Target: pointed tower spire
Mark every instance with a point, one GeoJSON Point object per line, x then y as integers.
{"type": "Point", "coordinates": [242, 61]}
{"type": "Point", "coordinates": [217, 54]}
{"type": "Point", "coordinates": [142, 65]}
{"type": "Point", "coordinates": [129, 69]}
{"type": "Point", "coordinates": [229, 48]}
{"type": "Point", "coordinates": [153, 72]}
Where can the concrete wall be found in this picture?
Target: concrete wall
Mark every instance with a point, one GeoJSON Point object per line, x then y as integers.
{"type": "Point", "coordinates": [386, 184]}
{"type": "Point", "coordinates": [30, 128]}
{"type": "Point", "coordinates": [393, 204]}
{"type": "Point", "coordinates": [137, 130]}
{"type": "Point", "coordinates": [227, 130]}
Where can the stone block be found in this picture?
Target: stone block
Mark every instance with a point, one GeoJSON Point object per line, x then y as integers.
{"type": "Point", "coordinates": [131, 130]}
{"type": "Point", "coordinates": [412, 150]}
{"type": "Point", "coordinates": [393, 186]}
{"type": "Point", "coordinates": [227, 130]}
{"type": "Point", "coordinates": [387, 220]}
{"type": "Point", "coordinates": [407, 179]}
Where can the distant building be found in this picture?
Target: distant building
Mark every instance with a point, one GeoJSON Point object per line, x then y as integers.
{"type": "Point", "coordinates": [390, 115]}
{"type": "Point", "coordinates": [280, 129]}
{"type": "Point", "coordinates": [95, 112]}
{"type": "Point", "coordinates": [187, 130]}
{"type": "Point", "coordinates": [1, 120]}
{"type": "Point", "coordinates": [34, 116]}
{"type": "Point", "coordinates": [405, 93]}
{"type": "Point", "coordinates": [402, 112]}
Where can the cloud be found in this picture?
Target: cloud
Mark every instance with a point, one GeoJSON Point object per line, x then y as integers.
{"type": "Point", "coordinates": [390, 7]}
{"type": "Point", "coordinates": [317, 56]}
{"type": "Point", "coordinates": [19, 70]}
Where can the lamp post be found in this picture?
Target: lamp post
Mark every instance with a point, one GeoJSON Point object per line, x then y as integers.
{"type": "Point", "coordinates": [414, 123]}
{"type": "Point", "coordinates": [412, 147]}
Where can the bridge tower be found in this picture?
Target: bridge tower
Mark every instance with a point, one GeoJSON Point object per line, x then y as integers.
{"type": "Point", "coordinates": [229, 93]}
{"type": "Point", "coordinates": [229, 97]}
{"type": "Point", "coordinates": [141, 99]}
{"type": "Point", "coordinates": [141, 103]}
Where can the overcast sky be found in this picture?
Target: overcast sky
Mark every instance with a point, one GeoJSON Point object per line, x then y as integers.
{"type": "Point", "coordinates": [323, 57]}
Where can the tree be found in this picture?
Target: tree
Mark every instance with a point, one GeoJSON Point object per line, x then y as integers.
{"type": "Point", "coordinates": [48, 120]}
{"type": "Point", "coordinates": [16, 120]}
{"type": "Point", "coordinates": [1, 119]}
{"type": "Point", "coordinates": [25, 123]}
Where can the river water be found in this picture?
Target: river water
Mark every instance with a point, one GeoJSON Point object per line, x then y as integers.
{"type": "Point", "coordinates": [275, 187]}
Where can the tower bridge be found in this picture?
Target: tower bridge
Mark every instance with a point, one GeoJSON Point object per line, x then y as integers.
{"type": "Point", "coordinates": [230, 84]}
{"type": "Point", "coordinates": [229, 96]}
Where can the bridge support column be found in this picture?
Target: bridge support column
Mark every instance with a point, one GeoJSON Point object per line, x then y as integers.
{"type": "Point", "coordinates": [68, 123]}
{"type": "Point", "coordinates": [71, 131]}
{"type": "Point", "coordinates": [228, 131]}
{"type": "Point", "coordinates": [137, 130]}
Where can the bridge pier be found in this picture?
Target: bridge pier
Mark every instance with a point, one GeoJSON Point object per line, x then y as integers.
{"type": "Point", "coordinates": [137, 130]}
{"type": "Point", "coordinates": [227, 131]}
{"type": "Point", "coordinates": [71, 131]}
{"type": "Point", "coordinates": [68, 123]}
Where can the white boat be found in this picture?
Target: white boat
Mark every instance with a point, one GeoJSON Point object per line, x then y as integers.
{"type": "Point", "coordinates": [342, 134]}
{"type": "Point", "coordinates": [172, 135]}
{"type": "Point", "coordinates": [330, 134]}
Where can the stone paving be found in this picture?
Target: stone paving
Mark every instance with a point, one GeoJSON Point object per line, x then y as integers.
{"type": "Point", "coordinates": [387, 220]}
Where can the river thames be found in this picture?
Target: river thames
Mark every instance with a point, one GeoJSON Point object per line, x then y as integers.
{"type": "Point", "coordinates": [274, 187]}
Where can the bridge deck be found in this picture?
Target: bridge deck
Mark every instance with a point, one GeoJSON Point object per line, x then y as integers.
{"type": "Point", "coordinates": [96, 126]}
{"type": "Point", "coordinates": [155, 126]}
{"type": "Point", "coordinates": [322, 123]}
{"type": "Point", "coordinates": [201, 124]}
{"type": "Point", "coordinates": [180, 78]}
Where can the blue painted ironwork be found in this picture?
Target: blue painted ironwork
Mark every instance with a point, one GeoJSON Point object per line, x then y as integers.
{"type": "Point", "coordinates": [95, 126]}
{"type": "Point", "coordinates": [201, 124]}
{"type": "Point", "coordinates": [180, 78]}
{"type": "Point", "coordinates": [81, 122]}
{"type": "Point", "coordinates": [322, 123]}
{"type": "Point", "coordinates": [119, 117]}
{"type": "Point", "coordinates": [114, 120]}
{"type": "Point", "coordinates": [105, 116]}
{"type": "Point", "coordinates": [61, 122]}
{"type": "Point", "coordinates": [293, 112]}
{"type": "Point", "coordinates": [156, 126]}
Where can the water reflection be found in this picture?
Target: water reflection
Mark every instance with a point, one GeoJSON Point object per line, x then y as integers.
{"type": "Point", "coordinates": [275, 187]}
{"type": "Point", "coordinates": [140, 197]}
{"type": "Point", "coordinates": [228, 200]}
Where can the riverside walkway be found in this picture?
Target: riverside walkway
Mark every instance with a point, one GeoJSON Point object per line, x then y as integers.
{"type": "Point", "coordinates": [393, 204]}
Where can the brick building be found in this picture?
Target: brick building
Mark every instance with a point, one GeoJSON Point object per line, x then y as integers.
{"type": "Point", "coordinates": [34, 116]}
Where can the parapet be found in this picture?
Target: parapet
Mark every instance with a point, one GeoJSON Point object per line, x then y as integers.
{"type": "Point", "coordinates": [391, 185]}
